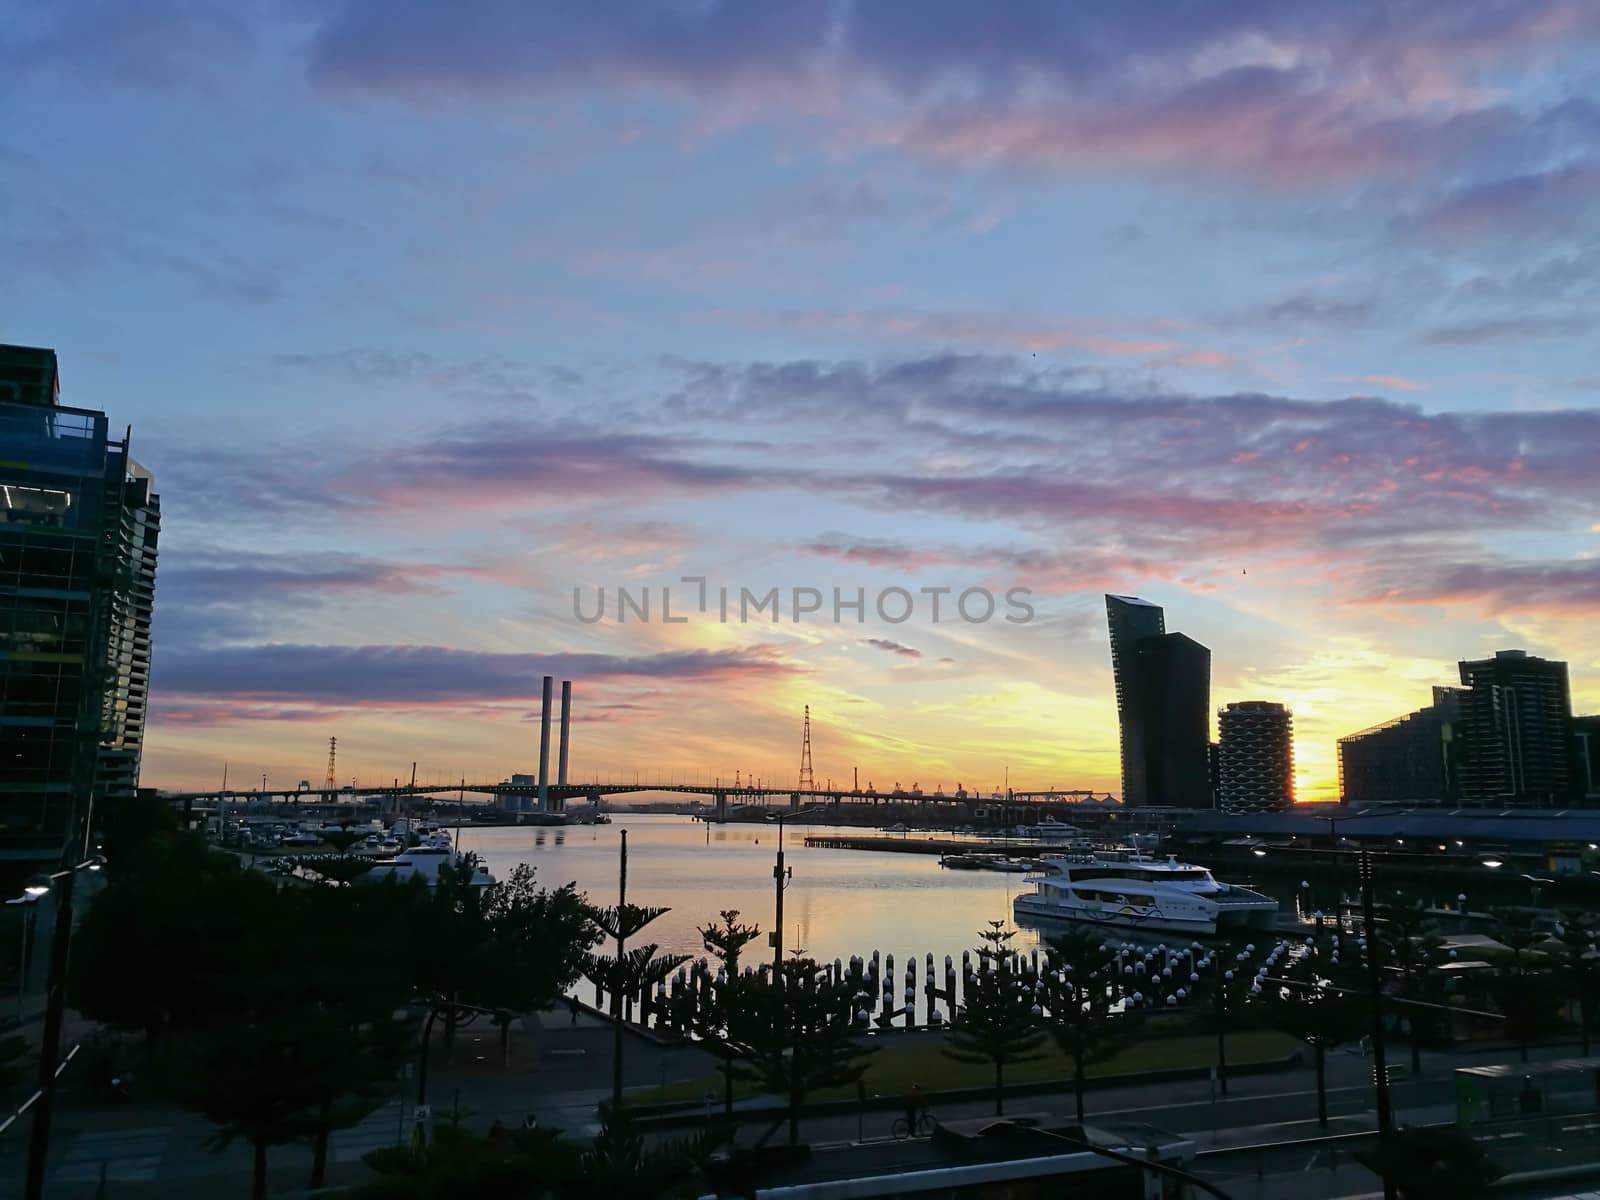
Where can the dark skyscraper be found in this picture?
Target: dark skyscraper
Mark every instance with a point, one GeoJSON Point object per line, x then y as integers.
{"type": "Point", "coordinates": [1586, 759]}
{"type": "Point", "coordinates": [1163, 687]}
{"type": "Point", "coordinates": [78, 532]}
{"type": "Point", "coordinates": [1130, 620]}
{"type": "Point", "coordinates": [1517, 730]}
{"type": "Point", "coordinates": [1255, 757]}
{"type": "Point", "coordinates": [1414, 759]}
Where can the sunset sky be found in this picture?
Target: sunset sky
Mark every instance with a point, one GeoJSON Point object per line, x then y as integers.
{"type": "Point", "coordinates": [1279, 313]}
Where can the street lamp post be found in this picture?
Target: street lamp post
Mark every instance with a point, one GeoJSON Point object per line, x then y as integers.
{"type": "Point", "coordinates": [1369, 925]}
{"type": "Point", "coordinates": [55, 1009]}
{"type": "Point", "coordinates": [781, 876]}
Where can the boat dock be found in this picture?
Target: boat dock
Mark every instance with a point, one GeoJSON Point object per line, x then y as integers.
{"type": "Point", "coordinates": [898, 844]}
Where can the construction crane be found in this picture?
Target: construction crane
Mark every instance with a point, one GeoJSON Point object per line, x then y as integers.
{"type": "Point", "coordinates": [331, 782]}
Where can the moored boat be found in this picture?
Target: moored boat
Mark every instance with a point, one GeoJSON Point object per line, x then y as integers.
{"type": "Point", "coordinates": [1138, 891]}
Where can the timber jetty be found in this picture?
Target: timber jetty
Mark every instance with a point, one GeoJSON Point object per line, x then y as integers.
{"type": "Point", "coordinates": [898, 844]}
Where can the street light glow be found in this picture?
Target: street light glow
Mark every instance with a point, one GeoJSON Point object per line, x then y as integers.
{"type": "Point", "coordinates": [1491, 863]}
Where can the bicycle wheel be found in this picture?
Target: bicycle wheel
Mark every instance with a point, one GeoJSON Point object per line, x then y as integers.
{"type": "Point", "coordinates": [900, 1129]}
{"type": "Point", "coordinates": [925, 1125]}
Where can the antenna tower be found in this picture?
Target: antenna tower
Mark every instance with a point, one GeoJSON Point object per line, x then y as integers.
{"type": "Point", "coordinates": [333, 747]}
{"type": "Point", "coordinates": [808, 782]}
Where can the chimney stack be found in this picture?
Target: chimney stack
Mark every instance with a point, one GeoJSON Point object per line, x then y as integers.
{"type": "Point", "coordinates": [566, 715]}
{"type": "Point", "coordinates": [544, 746]}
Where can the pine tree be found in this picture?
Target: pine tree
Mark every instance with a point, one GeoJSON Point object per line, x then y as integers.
{"type": "Point", "coordinates": [1409, 946]}
{"type": "Point", "coordinates": [799, 1026]}
{"type": "Point", "coordinates": [1323, 1009]}
{"type": "Point", "coordinates": [626, 972]}
{"type": "Point", "coordinates": [720, 1013]}
{"type": "Point", "coordinates": [1079, 989]}
{"type": "Point", "coordinates": [1224, 984]}
{"type": "Point", "coordinates": [1000, 1021]}
{"type": "Point", "coordinates": [1524, 994]}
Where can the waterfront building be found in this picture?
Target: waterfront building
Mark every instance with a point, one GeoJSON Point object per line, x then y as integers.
{"type": "Point", "coordinates": [1255, 757]}
{"type": "Point", "coordinates": [79, 527]}
{"type": "Point", "coordinates": [1517, 730]}
{"type": "Point", "coordinates": [1163, 689]}
{"type": "Point", "coordinates": [1411, 759]}
{"type": "Point", "coordinates": [1130, 620]}
{"type": "Point", "coordinates": [1586, 758]}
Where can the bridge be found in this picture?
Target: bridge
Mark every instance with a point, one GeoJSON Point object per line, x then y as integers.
{"type": "Point", "coordinates": [540, 794]}
{"type": "Point", "coordinates": [518, 797]}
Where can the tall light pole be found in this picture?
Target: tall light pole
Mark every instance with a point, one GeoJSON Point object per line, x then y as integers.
{"type": "Point", "coordinates": [1369, 925]}
{"type": "Point", "coordinates": [781, 876]}
{"type": "Point", "coordinates": [55, 1009]}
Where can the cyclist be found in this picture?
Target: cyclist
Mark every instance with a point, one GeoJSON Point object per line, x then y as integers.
{"type": "Point", "coordinates": [916, 1104]}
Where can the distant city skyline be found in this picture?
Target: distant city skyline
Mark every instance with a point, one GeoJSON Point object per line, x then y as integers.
{"type": "Point", "coordinates": [1278, 316]}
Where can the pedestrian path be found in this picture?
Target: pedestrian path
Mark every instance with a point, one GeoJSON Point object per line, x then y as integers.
{"type": "Point", "coordinates": [124, 1155]}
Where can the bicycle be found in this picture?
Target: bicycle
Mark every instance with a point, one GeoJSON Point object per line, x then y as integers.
{"type": "Point", "coordinates": [901, 1129]}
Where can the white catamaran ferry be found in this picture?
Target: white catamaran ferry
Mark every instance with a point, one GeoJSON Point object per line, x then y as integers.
{"type": "Point", "coordinates": [1136, 891]}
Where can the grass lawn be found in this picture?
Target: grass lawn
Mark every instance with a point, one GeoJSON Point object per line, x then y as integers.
{"type": "Point", "coordinates": [894, 1068]}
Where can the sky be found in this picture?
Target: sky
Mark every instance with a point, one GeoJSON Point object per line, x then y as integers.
{"type": "Point", "coordinates": [428, 318]}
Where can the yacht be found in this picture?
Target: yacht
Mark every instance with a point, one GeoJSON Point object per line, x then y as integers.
{"type": "Point", "coordinates": [1048, 829]}
{"type": "Point", "coordinates": [1138, 891]}
{"type": "Point", "coordinates": [423, 862]}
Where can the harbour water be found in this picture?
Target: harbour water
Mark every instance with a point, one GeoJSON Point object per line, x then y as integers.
{"type": "Point", "coordinates": [840, 902]}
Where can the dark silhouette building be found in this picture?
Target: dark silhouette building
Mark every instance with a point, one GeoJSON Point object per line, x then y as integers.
{"type": "Point", "coordinates": [1586, 759]}
{"type": "Point", "coordinates": [1163, 687]}
{"type": "Point", "coordinates": [1516, 717]}
{"type": "Point", "coordinates": [1414, 759]}
{"type": "Point", "coordinates": [79, 522]}
{"type": "Point", "coordinates": [1255, 757]}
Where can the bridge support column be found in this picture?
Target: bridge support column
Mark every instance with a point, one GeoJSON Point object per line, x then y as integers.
{"type": "Point", "coordinates": [794, 799]}
{"type": "Point", "coordinates": [721, 801]}
{"type": "Point", "coordinates": [544, 745]}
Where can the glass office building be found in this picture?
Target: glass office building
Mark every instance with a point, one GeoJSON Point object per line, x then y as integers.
{"type": "Point", "coordinates": [79, 526]}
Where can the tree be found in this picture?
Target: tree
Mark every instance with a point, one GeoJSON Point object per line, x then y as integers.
{"type": "Point", "coordinates": [1409, 947]}
{"type": "Point", "coordinates": [1325, 1009]}
{"type": "Point", "coordinates": [1432, 1163]}
{"type": "Point", "coordinates": [157, 927]}
{"type": "Point", "coordinates": [1523, 994]}
{"type": "Point", "coordinates": [627, 972]}
{"type": "Point", "coordinates": [356, 979]}
{"type": "Point", "coordinates": [537, 945]}
{"type": "Point", "coordinates": [1078, 993]}
{"type": "Point", "coordinates": [800, 1026]}
{"type": "Point", "coordinates": [1000, 1020]}
{"type": "Point", "coordinates": [341, 839]}
{"type": "Point", "coordinates": [720, 1014]}
{"type": "Point", "coordinates": [1224, 985]}
{"type": "Point", "coordinates": [450, 952]}
{"type": "Point", "coordinates": [301, 1037]}
{"type": "Point", "coordinates": [1580, 968]}
{"type": "Point", "coordinates": [340, 870]}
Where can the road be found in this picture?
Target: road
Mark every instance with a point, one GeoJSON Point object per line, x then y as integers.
{"type": "Point", "coordinates": [561, 1071]}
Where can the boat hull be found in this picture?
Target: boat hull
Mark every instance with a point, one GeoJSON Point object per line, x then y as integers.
{"type": "Point", "coordinates": [1151, 920]}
